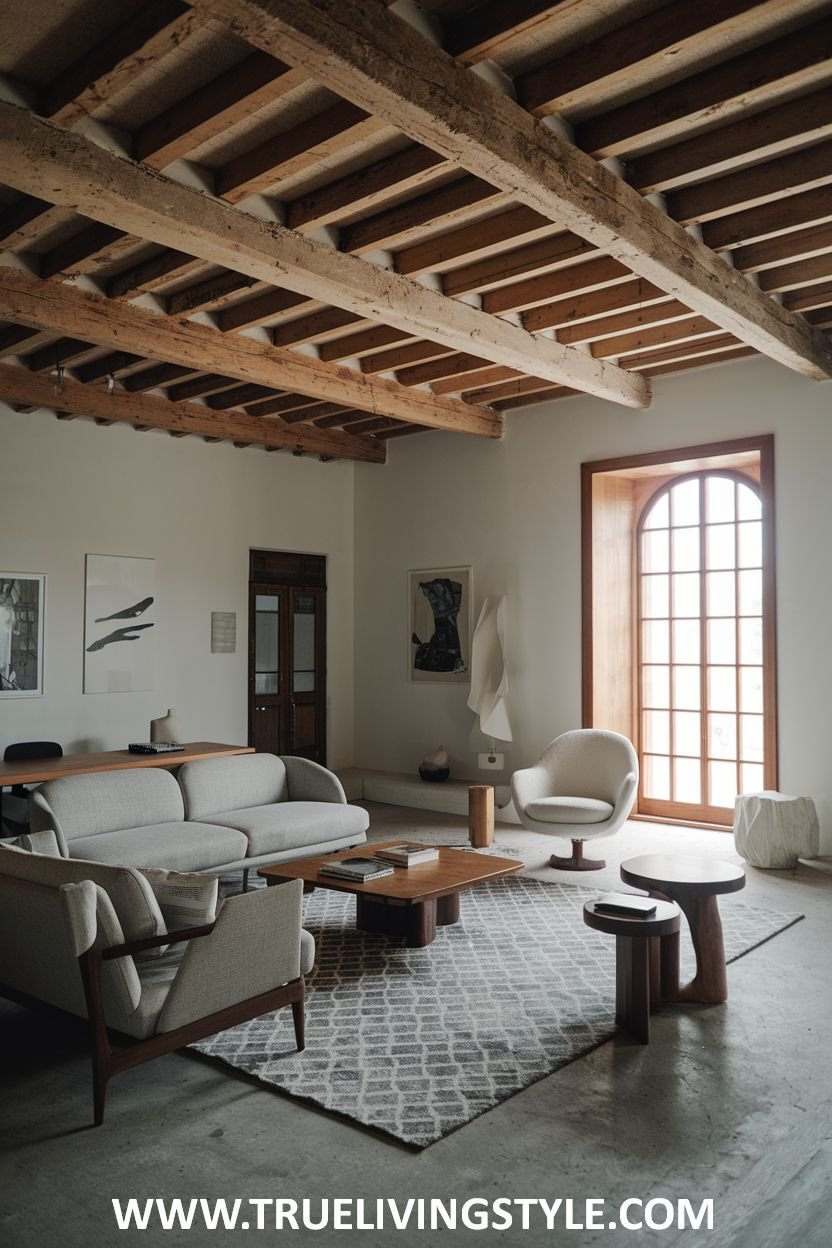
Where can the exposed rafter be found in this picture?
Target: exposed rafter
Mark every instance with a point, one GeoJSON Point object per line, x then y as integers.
{"type": "Point", "coordinates": [385, 67]}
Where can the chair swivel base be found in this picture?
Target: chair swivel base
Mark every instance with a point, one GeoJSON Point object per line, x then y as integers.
{"type": "Point", "coordinates": [576, 862]}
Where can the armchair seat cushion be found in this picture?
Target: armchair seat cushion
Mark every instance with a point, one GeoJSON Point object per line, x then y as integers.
{"type": "Point", "coordinates": [292, 825]}
{"type": "Point", "coordinates": [569, 810]}
{"type": "Point", "coordinates": [175, 846]}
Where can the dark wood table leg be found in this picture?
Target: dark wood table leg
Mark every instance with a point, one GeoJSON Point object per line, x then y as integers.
{"type": "Point", "coordinates": [417, 923]}
{"type": "Point", "coordinates": [447, 910]}
{"type": "Point", "coordinates": [669, 967]}
{"type": "Point", "coordinates": [632, 985]}
{"type": "Point", "coordinates": [710, 983]}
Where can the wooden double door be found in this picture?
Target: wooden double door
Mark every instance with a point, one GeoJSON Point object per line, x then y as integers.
{"type": "Point", "coordinates": [287, 654]}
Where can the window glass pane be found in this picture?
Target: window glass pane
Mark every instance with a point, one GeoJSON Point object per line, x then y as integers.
{"type": "Point", "coordinates": [722, 736]}
{"type": "Point", "coordinates": [656, 779]}
{"type": "Point", "coordinates": [751, 640]}
{"type": "Point", "coordinates": [751, 689]}
{"type": "Point", "coordinates": [685, 503]}
{"type": "Point", "coordinates": [655, 550]}
{"type": "Point", "coordinates": [266, 639]}
{"type": "Point", "coordinates": [686, 729]}
{"type": "Point", "coordinates": [656, 641]}
{"type": "Point", "coordinates": [722, 783]}
{"type": "Point", "coordinates": [687, 780]}
{"type": "Point", "coordinates": [655, 597]}
{"type": "Point", "coordinates": [656, 686]}
{"type": "Point", "coordinates": [304, 645]}
{"type": "Point", "coordinates": [752, 778]}
{"type": "Point", "coordinates": [751, 738]}
{"type": "Point", "coordinates": [719, 499]}
{"type": "Point", "coordinates": [658, 517]}
{"type": "Point", "coordinates": [751, 593]}
{"type": "Point", "coordinates": [750, 537]}
{"type": "Point", "coordinates": [266, 602]}
{"type": "Point", "coordinates": [720, 546]}
{"type": "Point", "coordinates": [686, 641]}
{"type": "Point", "coordinates": [686, 593]}
{"type": "Point", "coordinates": [656, 732]}
{"type": "Point", "coordinates": [722, 688]}
{"type": "Point", "coordinates": [686, 688]}
{"type": "Point", "coordinates": [265, 682]}
{"type": "Point", "coordinates": [686, 550]}
{"type": "Point", "coordinates": [722, 641]}
{"type": "Point", "coordinates": [721, 593]}
{"type": "Point", "coordinates": [748, 504]}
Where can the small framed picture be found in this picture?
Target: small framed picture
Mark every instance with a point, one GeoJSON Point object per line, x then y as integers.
{"type": "Point", "coordinates": [440, 625]}
{"type": "Point", "coordinates": [22, 608]}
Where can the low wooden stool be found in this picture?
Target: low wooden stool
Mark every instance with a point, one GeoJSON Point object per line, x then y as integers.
{"type": "Point", "coordinates": [481, 815]}
{"type": "Point", "coordinates": [646, 952]}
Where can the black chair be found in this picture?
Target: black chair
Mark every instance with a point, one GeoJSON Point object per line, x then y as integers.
{"type": "Point", "coordinates": [19, 752]}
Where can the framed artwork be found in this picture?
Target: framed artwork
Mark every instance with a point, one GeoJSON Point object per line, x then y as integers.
{"type": "Point", "coordinates": [440, 625]}
{"type": "Point", "coordinates": [22, 598]}
{"type": "Point", "coordinates": [119, 624]}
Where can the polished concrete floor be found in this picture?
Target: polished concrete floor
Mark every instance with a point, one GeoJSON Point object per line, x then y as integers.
{"type": "Point", "coordinates": [731, 1102]}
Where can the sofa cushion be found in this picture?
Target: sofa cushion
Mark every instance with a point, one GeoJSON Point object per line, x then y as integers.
{"type": "Point", "coordinates": [132, 897]}
{"type": "Point", "coordinates": [186, 898]}
{"type": "Point", "coordinates": [89, 804]}
{"type": "Point", "coordinates": [293, 825]}
{"type": "Point", "coordinates": [214, 785]}
{"type": "Point", "coordinates": [176, 846]}
{"type": "Point", "coordinates": [569, 810]}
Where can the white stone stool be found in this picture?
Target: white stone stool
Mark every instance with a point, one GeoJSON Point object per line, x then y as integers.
{"type": "Point", "coordinates": [774, 830]}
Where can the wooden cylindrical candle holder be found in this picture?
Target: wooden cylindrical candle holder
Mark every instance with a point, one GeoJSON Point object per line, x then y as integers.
{"type": "Point", "coordinates": [481, 815]}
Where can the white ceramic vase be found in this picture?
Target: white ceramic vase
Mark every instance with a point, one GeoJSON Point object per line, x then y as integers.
{"type": "Point", "coordinates": [165, 728]}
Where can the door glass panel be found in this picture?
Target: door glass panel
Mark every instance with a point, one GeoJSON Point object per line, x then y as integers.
{"type": "Point", "coordinates": [656, 593]}
{"type": "Point", "coordinates": [656, 777]}
{"type": "Point", "coordinates": [722, 597]}
{"type": "Point", "coordinates": [722, 736]}
{"type": "Point", "coordinates": [686, 641]}
{"type": "Point", "coordinates": [266, 643]}
{"type": "Point", "coordinates": [719, 500]}
{"type": "Point", "coordinates": [655, 550]}
{"type": "Point", "coordinates": [751, 593]}
{"type": "Point", "coordinates": [750, 538]}
{"type": "Point", "coordinates": [686, 729]}
{"type": "Point", "coordinates": [687, 780]}
{"type": "Point", "coordinates": [751, 732]}
{"type": "Point", "coordinates": [722, 782]}
{"type": "Point", "coordinates": [303, 680]}
{"type": "Point", "coordinates": [686, 550]}
{"type": "Point", "coordinates": [722, 688]}
{"type": "Point", "coordinates": [686, 688]}
{"type": "Point", "coordinates": [685, 503]}
{"type": "Point", "coordinates": [686, 594]}
{"type": "Point", "coordinates": [722, 641]}
{"type": "Point", "coordinates": [720, 544]}
{"type": "Point", "coordinates": [751, 689]}
{"type": "Point", "coordinates": [752, 778]}
{"type": "Point", "coordinates": [657, 687]}
{"type": "Point", "coordinates": [657, 732]}
{"type": "Point", "coordinates": [659, 517]}
{"type": "Point", "coordinates": [656, 641]}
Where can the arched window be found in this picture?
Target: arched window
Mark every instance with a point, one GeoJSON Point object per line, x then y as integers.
{"type": "Point", "coordinates": [701, 646]}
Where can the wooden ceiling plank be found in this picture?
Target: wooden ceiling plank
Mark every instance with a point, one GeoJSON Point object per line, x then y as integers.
{"type": "Point", "coordinates": [679, 33]}
{"type": "Point", "coordinates": [280, 406]}
{"type": "Point", "coordinates": [148, 275]}
{"type": "Point", "coordinates": [792, 62]}
{"type": "Point", "coordinates": [434, 209]}
{"type": "Point", "coordinates": [260, 310]}
{"type": "Point", "coordinates": [236, 397]}
{"type": "Point", "coordinates": [689, 350]}
{"type": "Point", "coordinates": [363, 342]}
{"type": "Point", "coordinates": [489, 29]}
{"type": "Point", "coordinates": [473, 242]}
{"type": "Point", "coordinates": [200, 386]}
{"type": "Point", "coordinates": [118, 192]}
{"type": "Point", "coordinates": [481, 377]}
{"type": "Point", "coordinates": [403, 356]}
{"type": "Point", "coordinates": [315, 327]}
{"type": "Point", "coordinates": [432, 370]}
{"type": "Point", "coordinates": [585, 306]}
{"type": "Point", "coordinates": [157, 377]}
{"type": "Point", "coordinates": [610, 326]}
{"type": "Point", "coordinates": [795, 276]}
{"type": "Point", "coordinates": [63, 308]}
{"type": "Point", "coordinates": [639, 340]}
{"type": "Point", "coordinates": [214, 108]}
{"type": "Point", "coordinates": [805, 170]}
{"type": "Point", "coordinates": [384, 66]}
{"type": "Point", "coordinates": [714, 152]}
{"type": "Point", "coordinates": [543, 256]}
{"type": "Point", "coordinates": [722, 356]}
{"type": "Point", "coordinates": [155, 29]}
{"type": "Point", "coordinates": [360, 191]}
{"type": "Point", "coordinates": [325, 134]}
{"type": "Point", "coordinates": [25, 219]}
{"type": "Point", "coordinates": [536, 290]}
{"type": "Point", "coordinates": [208, 295]}
{"type": "Point", "coordinates": [17, 385]}
{"type": "Point", "coordinates": [784, 248]}
{"type": "Point", "coordinates": [114, 364]}
{"type": "Point", "coordinates": [781, 216]}
{"type": "Point", "coordinates": [812, 297]}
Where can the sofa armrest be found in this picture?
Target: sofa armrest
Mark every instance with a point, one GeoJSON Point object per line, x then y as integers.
{"type": "Point", "coordinates": [42, 819]}
{"type": "Point", "coordinates": [310, 782]}
{"type": "Point", "coordinates": [253, 948]}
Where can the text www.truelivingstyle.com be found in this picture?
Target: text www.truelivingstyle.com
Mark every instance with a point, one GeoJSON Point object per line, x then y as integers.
{"type": "Point", "coordinates": [415, 1213]}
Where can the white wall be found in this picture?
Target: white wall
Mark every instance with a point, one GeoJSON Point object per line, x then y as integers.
{"type": "Point", "coordinates": [71, 488]}
{"type": "Point", "coordinates": [512, 510]}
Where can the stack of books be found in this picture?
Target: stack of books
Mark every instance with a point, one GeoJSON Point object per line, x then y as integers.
{"type": "Point", "coordinates": [408, 854]}
{"type": "Point", "coordinates": [360, 870]}
{"type": "Point", "coordinates": [629, 905]}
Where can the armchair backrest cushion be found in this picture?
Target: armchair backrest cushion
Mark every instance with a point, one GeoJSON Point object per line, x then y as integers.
{"type": "Point", "coordinates": [215, 785]}
{"type": "Point", "coordinates": [131, 895]}
{"type": "Point", "coordinates": [108, 801]}
{"type": "Point", "coordinates": [589, 762]}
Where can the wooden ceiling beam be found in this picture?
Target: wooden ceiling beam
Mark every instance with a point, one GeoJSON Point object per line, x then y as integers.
{"type": "Point", "coordinates": [25, 219]}
{"type": "Point", "coordinates": [636, 341]}
{"type": "Point", "coordinates": [158, 376]}
{"type": "Point", "coordinates": [403, 356]}
{"type": "Point", "coordinates": [679, 33]}
{"type": "Point", "coordinates": [715, 152]}
{"type": "Point", "coordinates": [784, 248]}
{"type": "Point", "coordinates": [590, 275]}
{"type": "Point", "coordinates": [811, 297]}
{"type": "Point", "coordinates": [199, 386]}
{"type": "Point", "coordinates": [585, 306]}
{"type": "Point", "coordinates": [209, 295]}
{"type": "Point", "coordinates": [237, 396]}
{"type": "Point", "coordinates": [363, 342]}
{"type": "Point", "coordinates": [540, 257]}
{"type": "Point", "coordinates": [118, 192]}
{"type": "Point", "coordinates": [722, 355]}
{"type": "Point", "coordinates": [114, 364]}
{"type": "Point", "coordinates": [794, 62]}
{"type": "Point", "coordinates": [17, 385]}
{"type": "Point", "coordinates": [608, 326]}
{"type": "Point", "coordinates": [489, 29]}
{"type": "Point", "coordinates": [64, 309]}
{"type": "Point", "coordinates": [795, 276]}
{"type": "Point", "coordinates": [359, 192]}
{"type": "Point", "coordinates": [473, 242]}
{"type": "Point", "coordinates": [436, 208]}
{"type": "Point", "coordinates": [373, 58]}
{"type": "Point", "coordinates": [315, 327]}
{"type": "Point", "coordinates": [778, 217]}
{"type": "Point", "coordinates": [691, 349]}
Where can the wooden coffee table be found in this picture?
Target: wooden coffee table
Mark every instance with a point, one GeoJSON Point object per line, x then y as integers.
{"type": "Point", "coordinates": [412, 902]}
{"type": "Point", "coordinates": [694, 884]}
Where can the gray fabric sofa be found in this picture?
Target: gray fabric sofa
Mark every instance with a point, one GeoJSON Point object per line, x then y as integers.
{"type": "Point", "coordinates": [216, 815]}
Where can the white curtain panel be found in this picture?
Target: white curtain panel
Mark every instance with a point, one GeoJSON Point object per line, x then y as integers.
{"type": "Point", "coordinates": [489, 673]}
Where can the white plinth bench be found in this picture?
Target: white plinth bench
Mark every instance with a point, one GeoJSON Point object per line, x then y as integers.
{"type": "Point", "coordinates": [775, 830]}
{"type": "Point", "coordinates": [399, 788]}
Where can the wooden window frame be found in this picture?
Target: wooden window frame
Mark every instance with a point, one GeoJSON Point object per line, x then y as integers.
{"type": "Point", "coordinates": [762, 445]}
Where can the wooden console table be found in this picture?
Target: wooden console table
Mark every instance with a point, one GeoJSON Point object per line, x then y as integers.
{"type": "Point", "coordinates": [36, 770]}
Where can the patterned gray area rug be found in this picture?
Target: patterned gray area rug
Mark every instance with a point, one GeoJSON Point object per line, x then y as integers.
{"type": "Point", "coordinates": [417, 1042]}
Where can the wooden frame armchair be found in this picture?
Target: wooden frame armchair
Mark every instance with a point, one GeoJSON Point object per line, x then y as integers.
{"type": "Point", "coordinates": [70, 952]}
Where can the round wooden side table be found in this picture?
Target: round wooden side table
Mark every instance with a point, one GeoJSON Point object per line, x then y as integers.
{"type": "Point", "coordinates": [641, 961]}
{"type": "Point", "coordinates": [695, 884]}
